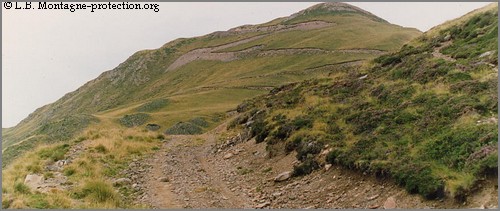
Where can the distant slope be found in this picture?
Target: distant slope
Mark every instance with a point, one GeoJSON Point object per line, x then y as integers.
{"type": "Point", "coordinates": [425, 116]}
{"type": "Point", "coordinates": [209, 75]}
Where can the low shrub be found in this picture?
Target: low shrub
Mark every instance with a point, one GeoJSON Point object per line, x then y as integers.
{"type": "Point", "coordinates": [101, 148]}
{"type": "Point", "coordinates": [184, 128]}
{"type": "Point", "coordinates": [97, 192]}
{"type": "Point", "coordinates": [152, 127]}
{"type": "Point", "coordinates": [154, 105]}
{"type": "Point", "coordinates": [308, 149]}
{"type": "Point", "coordinates": [133, 120]}
{"type": "Point", "coordinates": [69, 171]}
{"type": "Point", "coordinates": [54, 153]}
{"type": "Point", "coordinates": [199, 121]}
{"type": "Point", "coordinates": [20, 187]}
{"type": "Point", "coordinates": [306, 167]}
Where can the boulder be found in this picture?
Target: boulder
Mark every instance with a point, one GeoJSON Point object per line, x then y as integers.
{"type": "Point", "coordinates": [283, 176]}
{"type": "Point", "coordinates": [390, 203]}
{"type": "Point", "coordinates": [34, 181]}
{"type": "Point", "coordinates": [164, 179]}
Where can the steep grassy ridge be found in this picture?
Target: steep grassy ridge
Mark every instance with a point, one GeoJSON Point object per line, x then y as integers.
{"type": "Point", "coordinates": [425, 116]}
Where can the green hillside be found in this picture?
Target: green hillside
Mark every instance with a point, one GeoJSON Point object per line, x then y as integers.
{"type": "Point", "coordinates": [425, 116]}
{"type": "Point", "coordinates": [209, 75]}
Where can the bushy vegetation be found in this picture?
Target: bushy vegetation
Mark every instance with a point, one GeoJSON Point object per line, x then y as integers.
{"type": "Point", "coordinates": [191, 127]}
{"type": "Point", "coordinates": [184, 128]}
{"type": "Point", "coordinates": [132, 120]}
{"type": "Point", "coordinates": [415, 118]}
{"type": "Point", "coordinates": [154, 105]}
{"type": "Point", "coordinates": [472, 38]}
{"type": "Point", "coordinates": [54, 153]}
{"type": "Point", "coordinates": [97, 192]}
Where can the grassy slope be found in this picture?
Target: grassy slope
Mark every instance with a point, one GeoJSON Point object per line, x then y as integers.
{"type": "Point", "coordinates": [427, 122]}
{"type": "Point", "coordinates": [142, 78]}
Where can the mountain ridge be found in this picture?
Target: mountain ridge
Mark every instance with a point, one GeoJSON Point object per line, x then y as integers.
{"type": "Point", "coordinates": [147, 67]}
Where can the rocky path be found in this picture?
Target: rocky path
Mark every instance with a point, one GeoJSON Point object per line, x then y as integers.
{"type": "Point", "coordinates": [191, 172]}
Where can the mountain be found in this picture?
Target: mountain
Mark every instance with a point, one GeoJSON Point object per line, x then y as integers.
{"type": "Point", "coordinates": [204, 77]}
{"type": "Point", "coordinates": [424, 116]}
{"type": "Point", "coordinates": [331, 107]}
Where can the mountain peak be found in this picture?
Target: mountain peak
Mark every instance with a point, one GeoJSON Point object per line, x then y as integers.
{"type": "Point", "coordinates": [334, 7]}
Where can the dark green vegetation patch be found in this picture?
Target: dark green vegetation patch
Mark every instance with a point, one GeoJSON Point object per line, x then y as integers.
{"type": "Point", "coordinates": [133, 120]}
{"type": "Point", "coordinates": [154, 105]}
{"type": "Point", "coordinates": [191, 127]}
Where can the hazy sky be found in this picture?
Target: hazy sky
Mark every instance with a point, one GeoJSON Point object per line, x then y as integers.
{"type": "Point", "coordinates": [48, 53]}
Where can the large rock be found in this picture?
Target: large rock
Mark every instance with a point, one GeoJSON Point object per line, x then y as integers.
{"type": "Point", "coordinates": [283, 176]}
{"type": "Point", "coordinates": [390, 203]}
{"type": "Point", "coordinates": [33, 181]}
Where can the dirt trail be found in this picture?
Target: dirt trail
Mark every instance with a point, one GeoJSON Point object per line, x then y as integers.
{"type": "Point", "coordinates": [161, 191]}
{"type": "Point", "coordinates": [193, 181]}
{"type": "Point", "coordinates": [240, 175]}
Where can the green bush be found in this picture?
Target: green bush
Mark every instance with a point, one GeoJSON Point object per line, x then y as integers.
{"type": "Point", "coordinates": [199, 121]}
{"type": "Point", "coordinates": [259, 130]}
{"type": "Point", "coordinates": [184, 128]}
{"type": "Point", "coordinates": [97, 192]}
{"type": "Point", "coordinates": [293, 144]}
{"type": "Point", "coordinates": [69, 171]}
{"type": "Point", "coordinates": [418, 178]}
{"type": "Point", "coordinates": [38, 201]}
{"type": "Point", "coordinates": [20, 187]}
{"type": "Point", "coordinates": [154, 105]}
{"type": "Point", "coordinates": [388, 60]}
{"type": "Point", "coordinates": [302, 122]}
{"type": "Point", "coordinates": [306, 167]}
{"type": "Point", "coordinates": [152, 127]}
{"type": "Point", "coordinates": [101, 148]}
{"type": "Point", "coordinates": [133, 120]}
{"type": "Point", "coordinates": [308, 149]}
{"type": "Point", "coordinates": [54, 153]}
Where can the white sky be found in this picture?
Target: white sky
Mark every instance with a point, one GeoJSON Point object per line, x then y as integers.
{"type": "Point", "coordinates": [48, 53]}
